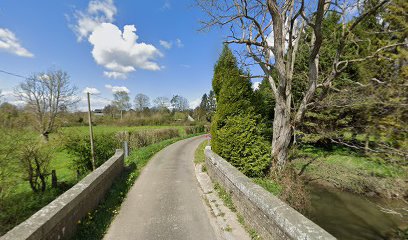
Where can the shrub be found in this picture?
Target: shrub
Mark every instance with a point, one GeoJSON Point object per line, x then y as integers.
{"type": "Point", "coordinates": [78, 145]}
{"type": "Point", "coordinates": [35, 160]}
{"type": "Point", "coordinates": [8, 166]}
{"type": "Point", "coordinates": [195, 129]}
{"type": "Point", "coordinates": [240, 142]}
{"type": "Point", "coordinates": [293, 190]}
{"type": "Point", "coordinates": [140, 139]}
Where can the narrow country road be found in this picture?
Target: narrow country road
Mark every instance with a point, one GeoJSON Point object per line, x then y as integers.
{"type": "Point", "coordinates": [165, 201]}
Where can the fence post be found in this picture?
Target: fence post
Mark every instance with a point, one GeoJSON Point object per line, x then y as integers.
{"type": "Point", "coordinates": [126, 148]}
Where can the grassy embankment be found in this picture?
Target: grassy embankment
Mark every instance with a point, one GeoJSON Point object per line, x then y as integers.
{"type": "Point", "coordinates": [347, 170]}
{"type": "Point", "coordinates": [352, 171]}
{"type": "Point", "coordinates": [97, 222]}
{"type": "Point", "coordinates": [20, 202]}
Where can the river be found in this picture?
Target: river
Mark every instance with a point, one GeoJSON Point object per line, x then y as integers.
{"type": "Point", "coordinates": [354, 217]}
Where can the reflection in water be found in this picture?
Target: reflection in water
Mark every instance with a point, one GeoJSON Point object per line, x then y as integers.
{"type": "Point", "coordinates": [350, 216]}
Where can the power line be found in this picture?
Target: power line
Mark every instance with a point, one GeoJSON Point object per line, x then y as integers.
{"type": "Point", "coordinates": [110, 100]}
{"type": "Point", "coordinates": [13, 74]}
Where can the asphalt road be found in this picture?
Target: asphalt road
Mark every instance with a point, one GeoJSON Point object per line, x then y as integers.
{"type": "Point", "coordinates": [165, 201]}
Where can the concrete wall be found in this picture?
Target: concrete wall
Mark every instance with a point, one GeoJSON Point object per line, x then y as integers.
{"type": "Point", "coordinates": [269, 216]}
{"type": "Point", "coordinates": [59, 219]}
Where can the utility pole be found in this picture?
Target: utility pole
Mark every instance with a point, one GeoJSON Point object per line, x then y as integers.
{"type": "Point", "coordinates": [91, 131]}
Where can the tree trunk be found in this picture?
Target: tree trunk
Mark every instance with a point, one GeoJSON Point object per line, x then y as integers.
{"type": "Point", "coordinates": [54, 180]}
{"type": "Point", "coordinates": [282, 133]}
{"type": "Point", "coordinates": [367, 144]}
{"type": "Point", "coordinates": [45, 136]}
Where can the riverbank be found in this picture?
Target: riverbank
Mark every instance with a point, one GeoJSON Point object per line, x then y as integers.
{"type": "Point", "coordinates": [349, 171]}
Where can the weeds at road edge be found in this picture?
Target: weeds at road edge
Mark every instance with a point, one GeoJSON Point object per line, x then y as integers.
{"type": "Point", "coordinates": [226, 198]}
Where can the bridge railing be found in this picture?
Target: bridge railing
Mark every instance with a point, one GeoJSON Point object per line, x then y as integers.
{"type": "Point", "coordinates": [268, 215]}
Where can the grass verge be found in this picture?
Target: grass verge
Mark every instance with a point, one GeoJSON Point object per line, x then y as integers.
{"type": "Point", "coordinates": [95, 225]}
{"type": "Point", "coordinates": [199, 156]}
{"type": "Point", "coordinates": [269, 185]}
{"type": "Point", "coordinates": [354, 172]}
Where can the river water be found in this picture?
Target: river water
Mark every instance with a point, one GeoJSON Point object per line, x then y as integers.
{"type": "Point", "coordinates": [354, 217]}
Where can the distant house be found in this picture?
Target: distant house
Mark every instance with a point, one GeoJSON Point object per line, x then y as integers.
{"type": "Point", "coordinates": [98, 112]}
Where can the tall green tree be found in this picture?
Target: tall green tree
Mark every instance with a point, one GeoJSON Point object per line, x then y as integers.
{"type": "Point", "coordinates": [265, 103]}
{"type": "Point", "coordinates": [365, 108]}
{"type": "Point", "coordinates": [236, 129]}
{"type": "Point", "coordinates": [270, 32]}
{"type": "Point", "coordinates": [207, 107]}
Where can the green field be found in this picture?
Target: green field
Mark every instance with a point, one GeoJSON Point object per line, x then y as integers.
{"type": "Point", "coordinates": [20, 201]}
{"type": "Point", "coordinates": [109, 129]}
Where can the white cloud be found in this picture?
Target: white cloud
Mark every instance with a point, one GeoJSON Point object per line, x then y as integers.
{"type": "Point", "coordinates": [116, 89]}
{"type": "Point", "coordinates": [91, 90]}
{"type": "Point", "coordinates": [7, 94]}
{"type": "Point", "coordinates": [98, 12]}
{"type": "Point", "coordinates": [10, 97]}
{"type": "Point", "coordinates": [119, 52]}
{"type": "Point", "coordinates": [255, 85]}
{"type": "Point", "coordinates": [115, 75]}
{"type": "Point", "coordinates": [10, 43]}
{"type": "Point", "coordinates": [179, 43]}
{"type": "Point", "coordinates": [166, 44]}
{"type": "Point", "coordinates": [195, 103]}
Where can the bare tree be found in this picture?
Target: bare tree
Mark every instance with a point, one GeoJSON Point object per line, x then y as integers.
{"type": "Point", "coordinates": [161, 103]}
{"type": "Point", "coordinates": [142, 101]}
{"type": "Point", "coordinates": [121, 101]}
{"type": "Point", "coordinates": [44, 94]}
{"type": "Point", "coordinates": [270, 31]}
{"type": "Point", "coordinates": [179, 103]}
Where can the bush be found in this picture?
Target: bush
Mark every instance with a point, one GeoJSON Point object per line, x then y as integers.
{"type": "Point", "coordinates": [293, 190]}
{"type": "Point", "coordinates": [78, 145]}
{"type": "Point", "coordinates": [240, 142]}
{"type": "Point", "coordinates": [35, 160]}
{"type": "Point", "coordinates": [195, 129]}
{"type": "Point", "coordinates": [10, 168]}
{"type": "Point", "coordinates": [140, 139]}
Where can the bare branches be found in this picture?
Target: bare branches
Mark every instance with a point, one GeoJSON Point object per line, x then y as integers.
{"type": "Point", "coordinates": [373, 55]}
{"type": "Point", "coordinates": [45, 94]}
{"type": "Point", "coordinates": [270, 31]}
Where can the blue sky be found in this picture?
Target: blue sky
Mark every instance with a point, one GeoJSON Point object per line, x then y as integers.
{"type": "Point", "coordinates": [162, 55]}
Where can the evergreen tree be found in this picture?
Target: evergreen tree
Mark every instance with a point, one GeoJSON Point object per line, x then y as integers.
{"type": "Point", "coordinates": [236, 129]}
{"type": "Point", "coordinates": [265, 103]}
{"type": "Point", "coordinates": [233, 91]}
{"type": "Point", "coordinates": [365, 108]}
